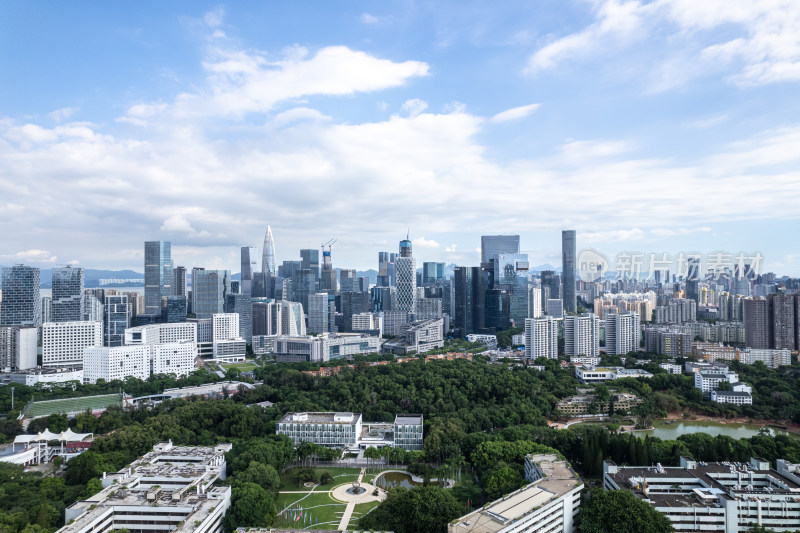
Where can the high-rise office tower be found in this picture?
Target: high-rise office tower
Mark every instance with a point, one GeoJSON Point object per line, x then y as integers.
{"type": "Point", "coordinates": [67, 294]}
{"type": "Point", "coordinates": [432, 273]}
{"type": "Point", "coordinates": [268, 254]}
{"type": "Point", "coordinates": [623, 333]}
{"type": "Point", "coordinates": [551, 286]}
{"type": "Point", "coordinates": [348, 282]}
{"type": "Point", "coordinates": [782, 321]}
{"type": "Point", "coordinates": [116, 320]}
{"type": "Point", "coordinates": [249, 267]}
{"type": "Point", "coordinates": [318, 313]}
{"type": "Point", "coordinates": [157, 274]}
{"type": "Point", "coordinates": [469, 300]}
{"type": "Point", "coordinates": [304, 283]}
{"type": "Point", "coordinates": [406, 268]}
{"type": "Point", "coordinates": [210, 289]}
{"type": "Point", "coordinates": [569, 254]}
{"type": "Point", "coordinates": [756, 323]}
{"type": "Point", "coordinates": [582, 335]}
{"type": "Point", "coordinates": [511, 275]}
{"type": "Point", "coordinates": [385, 270]}
{"type": "Point", "coordinates": [541, 338]}
{"type": "Point", "coordinates": [310, 261]}
{"type": "Point", "coordinates": [492, 245]}
{"type": "Point", "coordinates": [179, 276]}
{"type": "Point", "coordinates": [742, 278]}
{"type": "Point", "coordinates": [21, 304]}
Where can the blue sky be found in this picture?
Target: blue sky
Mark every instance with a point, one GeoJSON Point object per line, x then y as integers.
{"type": "Point", "coordinates": [660, 126]}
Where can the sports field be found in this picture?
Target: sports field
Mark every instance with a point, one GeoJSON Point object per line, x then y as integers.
{"type": "Point", "coordinates": [71, 405]}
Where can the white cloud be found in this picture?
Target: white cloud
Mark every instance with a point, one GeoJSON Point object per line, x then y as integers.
{"type": "Point", "coordinates": [64, 113]}
{"type": "Point", "coordinates": [672, 232]}
{"type": "Point", "coordinates": [414, 107]}
{"type": "Point", "coordinates": [515, 113]}
{"type": "Point", "coordinates": [709, 122]}
{"type": "Point", "coordinates": [35, 256]}
{"type": "Point", "coordinates": [451, 249]}
{"type": "Point", "coordinates": [422, 242]}
{"type": "Point", "coordinates": [366, 18]}
{"type": "Point", "coordinates": [298, 114]}
{"type": "Point", "coordinates": [246, 82]}
{"type": "Point", "coordinates": [634, 234]}
{"type": "Point", "coordinates": [760, 44]}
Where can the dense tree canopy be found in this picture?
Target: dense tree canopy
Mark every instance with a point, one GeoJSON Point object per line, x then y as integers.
{"type": "Point", "coordinates": [619, 511]}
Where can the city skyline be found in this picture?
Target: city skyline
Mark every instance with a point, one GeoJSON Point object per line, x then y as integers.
{"type": "Point", "coordinates": [653, 127]}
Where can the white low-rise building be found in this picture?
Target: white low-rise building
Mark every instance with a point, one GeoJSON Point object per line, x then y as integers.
{"type": "Point", "coordinates": [326, 429]}
{"type": "Point", "coordinates": [671, 368]}
{"type": "Point", "coordinates": [734, 397]}
{"type": "Point", "coordinates": [139, 361]}
{"type": "Point", "coordinates": [727, 497]}
{"type": "Point", "coordinates": [63, 342]}
{"type": "Point", "coordinates": [169, 489]}
{"type": "Point", "coordinates": [489, 340]}
{"type": "Point", "coordinates": [709, 381]}
{"type": "Point", "coordinates": [372, 322]}
{"type": "Point", "coordinates": [582, 360]}
{"type": "Point", "coordinates": [322, 348]}
{"type": "Point", "coordinates": [592, 374]}
{"type": "Point", "coordinates": [161, 333]}
{"type": "Point", "coordinates": [550, 503]}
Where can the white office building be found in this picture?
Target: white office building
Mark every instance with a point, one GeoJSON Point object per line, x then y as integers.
{"type": "Point", "coordinates": [541, 338]}
{"type": "Point", "coordinates": [228, 346]}
{"type": "Point", "coordinates": [489, 340]}
{"type": "Point", "coordinates": [734, 397]}
{"type": "Point", "coordinates": [707, 381]}
{"type": "Point", "coordinates": [169, 489]}
{"type": "Point", "coordinates": [162, 333]}
{"type": "Point", "coordinates": [582, 335]}
{"type": "Point", "coordinates": [623, 333]}
{"type": "Point", "coordinates": [63, 342]}
{"type": "Point", "coordinates": [18, 347]}
{"type": "Point", "coordinates": [372, 322]}
{"type": "Point", "coordinates": [325, 429]}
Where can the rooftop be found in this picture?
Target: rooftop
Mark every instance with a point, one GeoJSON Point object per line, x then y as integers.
{"type": "Point", "coordinates": [320, 418]}
{"type": "Point", "coordinates": [496, 516]}
{"type": "Point", "coordinates": [408, 420]}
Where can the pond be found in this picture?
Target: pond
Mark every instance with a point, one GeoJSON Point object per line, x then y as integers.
{"type": "Point", "coordinates": [671, 430]}
{"type": "Point", "coordinates": [391, 480]}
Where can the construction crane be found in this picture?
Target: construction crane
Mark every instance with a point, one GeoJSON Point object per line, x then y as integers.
{"type": "Point", "coordinates": [326, 254]}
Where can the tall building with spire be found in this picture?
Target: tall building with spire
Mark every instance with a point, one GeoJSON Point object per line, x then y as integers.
{"type": "Point", "coordinates": [268, 255]}
{"type": "Point", "coordinates": [406, 270]}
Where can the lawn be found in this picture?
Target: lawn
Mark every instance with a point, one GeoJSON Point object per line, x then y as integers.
{"type": "Point", "coordinates": [340, 475]}
{"type": "Point", "coordinates": [247, 365]}
{"type": "Point", "coordinates": [360, 510]}
{"type": "Point", "coordinates": [317, 507]}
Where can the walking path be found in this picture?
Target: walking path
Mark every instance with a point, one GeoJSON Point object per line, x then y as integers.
{"type": "Point", "coordinates": [351, 505]}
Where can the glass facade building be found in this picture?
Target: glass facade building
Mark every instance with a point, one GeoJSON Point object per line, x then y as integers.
{"type": "Point", "coordinates": [158, 273]}
{"type": "Point", "coordinates": [569, 254]}
{"type": "Point", "coordinates": [21, 304]}
{"type": "Point", "coordinates": [210, 289]}
{"type": "Point", "coordinates": [67, 300]}
{"type": "Point", "coordinates": [116, 320]}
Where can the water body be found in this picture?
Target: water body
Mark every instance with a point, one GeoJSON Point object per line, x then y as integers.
{"type": "Point", "coordinates": [671, 431]}
{"type": "Point", "coordinates": [392, 480]}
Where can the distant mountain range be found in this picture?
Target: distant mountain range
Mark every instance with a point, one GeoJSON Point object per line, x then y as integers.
{"type": "Point", "coordinates": [94, 276]}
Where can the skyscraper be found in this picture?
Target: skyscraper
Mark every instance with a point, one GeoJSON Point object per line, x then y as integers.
{"type": "Point", "coordinates": [249, 266]}
{"type": "Point", "coordinates": [67, 294]}
{"type": "Point", "coordinates": [622, 333]}
{"type": "Point", "coordinates": [310, 261]}
{"type": "Point", "coordinates": [268, 254]}
{"type": "Point", "coordinates": [116, 320]}
{"type": "Point", "coordinates": [432, 272]}
{"type": "Point", "coordinates": [318, 313]}
{"type": "Point", "coordinates": [179, 275]}
{"type": "Point", "coordinates": [569, 254]}
{"type": "Point", "coordinates": [21, 304]}
{"type": "Point", "coordinates": [693, 279]}
{"type": "Point", "coordinates": [210, 289]}
{"type": "Point", "coordinates": [492, 245]}
{"type": "Point", "coordinates": [406, 268]}
{"type": "Point", "coordinates": [328, 281]}
{"type": "Point", "coordinates": [157, 274]}
{"type": "Point", "coordinates": [782, 320]}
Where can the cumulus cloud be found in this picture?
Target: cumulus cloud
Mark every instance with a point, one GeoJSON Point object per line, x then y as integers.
{"type": "Point", "coordinates": [422, 242]}
{"type": "Point", "coordinates": [34, 256]}
{"type": "Point", "coordinates": [64, 113]}
{"type": "Point", "coordinates": [414, 107]}
{"type": "Point", "coordinates": [761, 44]}
{"type": "Point", "coordinates": [515, 113]}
